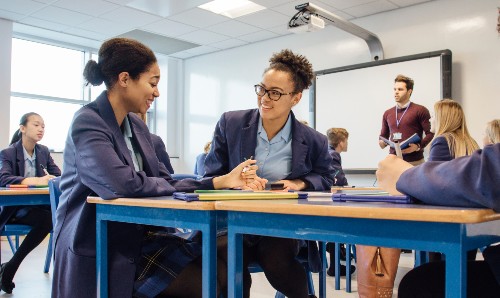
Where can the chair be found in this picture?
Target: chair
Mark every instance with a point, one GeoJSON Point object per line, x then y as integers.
{"type": "Point", "coordinates": [335, 261]}
{"type": "Point", "coordinates": [184, 176]}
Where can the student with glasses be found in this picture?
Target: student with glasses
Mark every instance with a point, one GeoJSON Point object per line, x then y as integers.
{"type": "Point", "coordinates": [286, 151]}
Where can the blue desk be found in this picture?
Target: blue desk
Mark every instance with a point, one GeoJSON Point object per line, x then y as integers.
{"type": "Point", "coordinates": [21, 197]}
{"type": "Point", "coordinates": [160, 211]}
{"type": "Point", "coordinates": [452, 231]}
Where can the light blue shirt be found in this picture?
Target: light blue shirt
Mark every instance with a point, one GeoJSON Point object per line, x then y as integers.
{"type": "Point", "coordinates": [29, 163]}
{"type": "Point", "coordinates": [274, 157]}
{"type": "Point", "coordinates": [136, 157]}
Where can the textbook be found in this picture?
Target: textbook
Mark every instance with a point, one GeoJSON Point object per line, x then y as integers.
{"type": "Point", "coordinates": [414, 139]}
{"type": "Point", "coordinates": [375, 196]}
{"type": "Point", "coordinates": [26, 186]}
{"type": "Point", "coordinates": [219, 195]}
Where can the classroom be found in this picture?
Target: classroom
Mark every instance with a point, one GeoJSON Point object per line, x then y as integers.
{"type": "Point", "coordinates": [227, 58]}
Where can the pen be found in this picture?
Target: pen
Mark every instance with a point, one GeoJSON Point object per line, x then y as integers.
{"type": "Point", "coordinates": [336, 173]}
{"type": "Point", "coordinates": [247, 167]}
{"type": "Point", "coordinates": [44, 170]}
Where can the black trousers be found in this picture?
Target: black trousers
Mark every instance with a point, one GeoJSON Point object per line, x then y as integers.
{"type": "Point", "coordinates": [40, 220]}
{"type": "Point", "coordinates": [428, 281]}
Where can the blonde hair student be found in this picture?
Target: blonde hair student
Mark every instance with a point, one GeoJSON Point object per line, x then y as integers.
{"type": "Point", "coordinates": [452, 138]}
{"type": "Point", "coordinates": [492, 133]}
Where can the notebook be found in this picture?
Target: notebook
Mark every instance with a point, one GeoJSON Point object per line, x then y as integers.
{"type": "Point", "coordinates": [219, 195]}
{"type": "Point", "coordinates": [26, 186]}
{"type": "Point", "coordinates": [372, 196]}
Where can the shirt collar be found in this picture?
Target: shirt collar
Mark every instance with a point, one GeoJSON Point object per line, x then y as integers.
{"type": "Point", "coordinates": [27, 156]}
{"type": "Point", "coordinates": [127, 131]}
{"type": "Point", "coordinates": [404, 106]}
{"type": "Point", "coordinates": [285, 133]}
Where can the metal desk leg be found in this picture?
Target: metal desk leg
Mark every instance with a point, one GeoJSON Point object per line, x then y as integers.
{"type": "Point", "coordinates": [209, 260]}
{"type": "Point", "coordinates": [456, 273]}
{"type": "Point", "coordinates": [235, 266]}
{"type": "Point", "coordinates": [102, 257]}
{"type": "Point", "coordinates": [337, 266]}
{"type": "Point", "coordinates": [322, 272]}
{"type": "Point", "coordinates": [348, 268]}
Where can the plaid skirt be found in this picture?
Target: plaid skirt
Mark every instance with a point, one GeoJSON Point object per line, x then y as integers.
{"type": "Point", "coordinates": [163, 257]}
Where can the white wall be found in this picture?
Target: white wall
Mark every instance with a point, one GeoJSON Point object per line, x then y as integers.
{"type": "Point", "coordinates": [224, 81]}
{"type": "Point", "coordinates": [5, 61]}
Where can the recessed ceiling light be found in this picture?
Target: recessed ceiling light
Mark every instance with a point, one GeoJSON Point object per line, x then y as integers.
{"type": "Point", "coordinates": [232, 8]}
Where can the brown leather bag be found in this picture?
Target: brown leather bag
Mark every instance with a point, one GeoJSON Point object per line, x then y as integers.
{"type": "Point", "coordinates": [377, 268]}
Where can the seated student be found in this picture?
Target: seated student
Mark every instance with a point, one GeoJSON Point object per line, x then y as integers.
{"type": "Point", "coordinates": [26, 162]}
{"type": "Point", "coordinates": [440, 183]}
{"type": "Point", "coordinates": [337, 143]}
{"type": "Point", "coordinates": [160, 148]}
{"type": "Point", "coordinates": [286, 151]}
{"type": "Point", "coordinates": [451, 140]}
{"type": "Point", "coordinates": [109, 153]}
{"type": "Point", "coordinates": [492, 132]}
{"type": "Point", "coordinates": [199, 166]}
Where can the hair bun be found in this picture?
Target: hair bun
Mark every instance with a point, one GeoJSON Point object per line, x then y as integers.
{"type": "Point", "coordinates": [93, 74]}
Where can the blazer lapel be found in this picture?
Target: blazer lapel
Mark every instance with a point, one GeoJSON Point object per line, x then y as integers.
{"type": "Point", "coordinates": [20, 157]}
{"type": "Point", "coordinates": [40, 160]}
{"type": "Point", "coordinates": [248, 141]}
{"type": "Point", "coordinates": [299, 150]}
{"type": "Point", "coordinates": [145, 147]}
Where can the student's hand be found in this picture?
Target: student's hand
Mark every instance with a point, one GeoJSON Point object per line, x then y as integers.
{"type": "Point", "coordinates": [257, 184]}
{"type": "Point", "coordinates": [295, 184]}
{"type": "Point", "coordinates": [37, 180]}
{"type": "Point", "coordinates": [389, 171]}
{"type": "Point", "coordinates": [410, 149]}
{"type": "Point", "coordinates": [242, 174]}
{"type": "Point", "coordinates": [382, 144]}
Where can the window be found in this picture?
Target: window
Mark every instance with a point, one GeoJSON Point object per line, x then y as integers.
{"type": "Point", "coordinates": [51, 84]}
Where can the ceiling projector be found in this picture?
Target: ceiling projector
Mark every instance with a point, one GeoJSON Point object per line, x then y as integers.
{"type": "Point", "coordinates": [315, 23]}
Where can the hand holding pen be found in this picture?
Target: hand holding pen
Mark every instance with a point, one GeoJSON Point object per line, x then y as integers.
{"type": "Point", "coordinates": [44, 169]}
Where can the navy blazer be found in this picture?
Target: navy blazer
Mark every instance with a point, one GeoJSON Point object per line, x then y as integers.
{"type": "Point", "coordinates": [340, 178]}
{"type": "Point", "coordinates": [12, 171]}
{"type": "Point", "coordinates": [235, 138]}
{"type": "Point", "coordinates": [97, 162]}
{"type": "Point", "coordinates": [468, 181]}
{"type": "Point", "coordinates": [440, 151]}
{"type": "Point", "coordinates": [161, 152]}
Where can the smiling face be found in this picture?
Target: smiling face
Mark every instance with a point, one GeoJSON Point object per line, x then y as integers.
{"type": "Point", "coordinates": [277, 111]}
{"type": "Point", "coordinates": [34, 129]}
{"type": "Point", "coordinates": [401, 93]}
{"type": "Point", "coordinates": [142, 92]}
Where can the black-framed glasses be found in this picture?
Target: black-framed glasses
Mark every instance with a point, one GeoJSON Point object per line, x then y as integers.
{"type": "Point", "coordinates": [272, 94]}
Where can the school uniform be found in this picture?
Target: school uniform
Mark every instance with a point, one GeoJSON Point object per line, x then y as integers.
{"type": "Point", "coordinates": [97, 161]}
{"type": "Point", "coordinates": [469, 181]}
{"type": "Point", "coordinates": [340, 179]}
{"type": "Point", "coordinates": [12, 167]}
{"type": "Point", "coordinates": [440, 151]}
{"type": "Point", "coordinates": [161, 152]}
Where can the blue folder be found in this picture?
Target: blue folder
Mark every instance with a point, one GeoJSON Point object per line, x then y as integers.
{"type": "Point", "coordinates": [219, 195]}
{"type": "Point", "coordinates": [348, 197]}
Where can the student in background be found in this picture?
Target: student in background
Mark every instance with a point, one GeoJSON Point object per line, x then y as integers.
{"type": "Point", "coordinates": [451, 140]}
{"type": "Point", "coordinates": [160, 148]}
{"type": "Point", "coordinates": [109, 153]}
{"type": "Point", "coordinates": [286, 151]}
{"type": "Point", "coordinates": [440, 183]}
{"type": "Point", "coordinates": [405, 119]}
{"type": "Point", "coordinates": [492, 132]}
{"type": "Point", "coordinates": [199, 166]}
{"type": "Point", "coordinates": [337, 143]}
{"type": "Point", "coordinates": [26, 162]}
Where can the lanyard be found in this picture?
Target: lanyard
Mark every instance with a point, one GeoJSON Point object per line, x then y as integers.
{"type": "Point", "coordinates": [399, 121]}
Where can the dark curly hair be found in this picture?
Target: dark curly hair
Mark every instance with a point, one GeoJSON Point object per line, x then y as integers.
{"type": "Point", "coordinates": [299, 68]}
{"type": "Point", "coordinates": [118, 55]}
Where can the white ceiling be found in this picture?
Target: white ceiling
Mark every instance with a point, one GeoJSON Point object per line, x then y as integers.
{"type": "Point", "coordinates": [89, 22]}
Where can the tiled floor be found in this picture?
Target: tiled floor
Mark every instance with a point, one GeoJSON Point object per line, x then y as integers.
{"type": "Point", "coordinates": [31, 282]}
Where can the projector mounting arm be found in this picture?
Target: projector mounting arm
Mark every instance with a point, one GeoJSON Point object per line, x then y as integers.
{"type": "Point", "coordinates": [309, 10]}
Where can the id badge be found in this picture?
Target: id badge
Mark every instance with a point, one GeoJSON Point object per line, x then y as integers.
{"type": "Point", "coordinates": [397, 136]}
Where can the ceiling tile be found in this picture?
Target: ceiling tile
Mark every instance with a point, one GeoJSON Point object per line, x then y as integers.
{"type": "Point", "coordinates": [272, 3]}
{"type": "Point", "coordinates": [158, 43]}
{"type": "Point", "coordinates": [202, 50]}
{"type": "Point", "coordinates": [8, 15]}
{"type": "Point", "coordinates": [232, 28]}
{"type": "Point", "coordinates": [181, 55]}
{"type": "Point", "coordinates": [44, 24]}
{"type": "Point", "coordinates": [203, 37]}
{"type": "Point", "coordinates": [103, 26]}
{"type": "Point", "coordinates": [341, 4]}
{"type": "Point", "coordinates": [258, 36]}
{"type": "Point", "coordinates": [199, 17]}
{"type": "Point", "coordinates": [280, 30]}
{"type": "Point", "coordinates": [265, 19]}
{"type": "Point", "coordinates": [61, 15]}
{"type": "Point", "coordinates": [86, 34]}
{"type": "Point", "coordinates": [130, 17]}
{"type": "Point", "coordinates": [370, 8]}
{"type": "Point", "coordinates": [288, 9]}
{"type": "Point", "coordinates": [165, 8]}
{"type": "Point", "coordinates": [89, 7]}
{"type": "Point", "coordinates": [403, 3]}
{"type": "Point", "coordinates": [120, 2]}
{"type": "Point", "coordinates": [229, 43]}
{"type": "Point", "coordinates": [169, 28]}
{"type": "Point", "coordinates": [24, 7]}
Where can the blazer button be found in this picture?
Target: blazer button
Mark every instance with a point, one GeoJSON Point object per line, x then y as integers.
{"type": "Point", "coordinates": [131, 260]}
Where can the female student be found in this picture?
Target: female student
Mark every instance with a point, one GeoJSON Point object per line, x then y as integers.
{"type": "Point", "coordinates": [286, 151]}
{"type": "Point", "coordinates": [451, 140]}
{"type": "Point", "coordinates": [492, 132]}
{"type": "Point", "coordinates": [26, 162]}
{"type": "Point", "coordinates": [109, 153]}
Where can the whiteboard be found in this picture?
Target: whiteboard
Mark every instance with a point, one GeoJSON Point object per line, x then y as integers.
{"type": "Point", "coordinates": [355, 97]}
